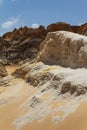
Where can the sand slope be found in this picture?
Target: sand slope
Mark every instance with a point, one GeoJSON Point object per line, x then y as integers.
{"type": "Point", "coordinates": [23, 107]}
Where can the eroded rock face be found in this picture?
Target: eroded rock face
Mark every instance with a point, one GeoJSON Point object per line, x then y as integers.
{"type": "Point", "coordinates": [3, 71]}
{"type": "Point", "coordinates": [64, 48]}
{"type": "Point", "coordinates": [21, 44]}
{"type": "Point", "coordinates": [24, 43]}
{"type": "Point", "coordinates": [83, 29]}
{"type": "Point", "coordinates": [62, 80]}
{"type": "Point", "coordinates": [59, 26]}
{"type": "Point", "coordinates": [48, 91]}
{"type": "Point", "coordinates": [25, 32]}
{"type": "Point", "coordinates": [39, 90]}
{"type": "Point", "coordinates": [59, 48]}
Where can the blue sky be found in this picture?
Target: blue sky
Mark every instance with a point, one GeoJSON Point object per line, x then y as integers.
{"type": "Point", "coordinates": [17, 13]}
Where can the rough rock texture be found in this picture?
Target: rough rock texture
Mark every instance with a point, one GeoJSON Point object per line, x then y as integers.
{"type": "Point", "coordinates": [55, 93]}
{"type": "Point", "coordinates": [24, 43]}
{"type": "Point", "coordinates": [25, 32]}
{"type": "Point", "coordinates": [59, 48]}
{"type": "Point", "coordinates": [64, 80]}
{"type": "Point", "coordinates": [83, 29]}
{"type": "Point", "coordinates": [37, 91]}
{"type": "Point", "coordinates": [59, 26]}
{"type": "Point", "coordinates": [3, 71]}
{"type": "Point", "coordinates": [64, 48]}
{"type": "Point", "coordinates": [21, 44]}
{"type": "Point", "coordinates": [64, 26]}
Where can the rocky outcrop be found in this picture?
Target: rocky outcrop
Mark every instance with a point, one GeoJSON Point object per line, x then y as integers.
{"type": "Point", "coordinates": [83, 29]}
{"type": "Point", "coordinates": [49, 90]}
{"type": "Point", "coordinates": [21, 44]}
{"type": "Point", "coordinates": [75, 28]}
{"type": "Point", "coordinates": [41, 88]}
{"type": "Point", "coordinates": [59, 26]}
{"type": "Point", "coordinates": [59, 48]}
{"type": "Point", "coordinates": [64, 48]}
{"type": "Point", "coordinates": [63, 26]}
{"type": "Point", "coordinates": [62, 80]}
{"type": "Point", "coordinates": [25, 32]}
{"type": "Point", "coordinates": [24, 43]}
{"type": "Point", "coordinates": [3, 71]}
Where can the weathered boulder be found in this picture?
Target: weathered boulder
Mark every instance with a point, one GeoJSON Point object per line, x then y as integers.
{"type": "Point", "coordinates": [64, 48]}
{"type": "Point", "coordinates": [62, 80]}
{"type": "Point", "coordinates": [59, 48]}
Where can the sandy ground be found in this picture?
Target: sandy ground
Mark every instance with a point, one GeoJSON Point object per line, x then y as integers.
{"type": "Point", "coordinates": [7, 114]}
{"type": "Point", "coordinates": [75, 121]}
{"type": "Point", "coordinates": [11, 69]}
{"type": "Point", "coordinates": [9, 109]}
{"type": "Point", "coordinates": [21, 92]}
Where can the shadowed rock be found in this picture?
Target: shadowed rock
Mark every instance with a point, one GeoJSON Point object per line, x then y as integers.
{"type": "Point", "coordinates": [3, 71]}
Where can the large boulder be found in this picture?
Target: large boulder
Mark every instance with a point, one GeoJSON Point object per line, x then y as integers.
{"type": "Point", "coordinates": [64, 48]}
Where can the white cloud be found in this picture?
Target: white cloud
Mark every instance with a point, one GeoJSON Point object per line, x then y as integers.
{"type": "Point", "coordinates": [35, 25]}
{"type": "Point", "coordinates": [10, 23]}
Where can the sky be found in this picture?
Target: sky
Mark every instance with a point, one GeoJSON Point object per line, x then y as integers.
{"type": "Point", "coordinates": [32, 13]}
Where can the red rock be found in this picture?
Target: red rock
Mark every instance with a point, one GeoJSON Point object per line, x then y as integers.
{"type": "Point", "coordinates": [83, 29]}
{"type": "Point", "coordinates": [59, 26]}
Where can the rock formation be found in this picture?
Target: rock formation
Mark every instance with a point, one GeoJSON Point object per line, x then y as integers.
{"type": "Point", "coordinates": [3, 71]}
{"type": "Point", "coordinates": [63, 80]}
{"type": "Point", "coordinates": [83, 29]}
{"type": "Point", "coordinates": [59, 48]}
{"type": "Point", "coordinates": [24, 43]}
{"type": "Point", "coordinates": [59, 26]}
{"type": "Point", "coordinates": [45, 89]}
{"type": "Point", "coordinates": [64, 48]}
{"type": "Point", "coordinates": [21, 44]}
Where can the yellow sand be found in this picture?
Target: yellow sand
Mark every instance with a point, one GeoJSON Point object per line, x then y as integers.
{"type": "Point", "coordinates": [75, 121]}
{"type": "Point", "coordinates": [11, 69]}
{"type": "Point", "coordinates": [9, 112]}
